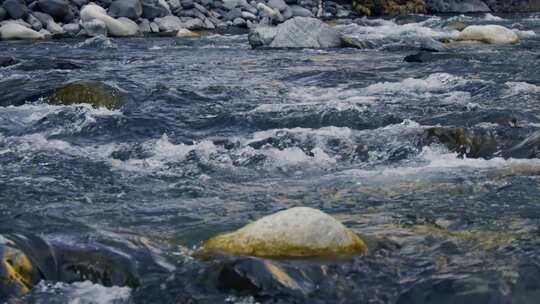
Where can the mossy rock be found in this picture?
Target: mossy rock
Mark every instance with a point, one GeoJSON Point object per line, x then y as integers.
{"type": "Point", "coordinates": [17, 272]}
{"type": "Point", "coordinates": [388, 7]}
{"type": "Point", "coordinates": [296, 232]}
{"type": "Point", "coordinates": [95, 93]}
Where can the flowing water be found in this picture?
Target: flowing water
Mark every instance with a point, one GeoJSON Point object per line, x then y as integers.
{"type": "Point", "coordinates": [215, 135]}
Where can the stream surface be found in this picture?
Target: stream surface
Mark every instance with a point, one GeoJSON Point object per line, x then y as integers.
{"type": "Point", "coordinates": [215, 135]}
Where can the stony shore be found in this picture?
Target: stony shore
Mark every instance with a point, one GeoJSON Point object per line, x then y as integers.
{"type": "Point", "coordinates": [40, 19]}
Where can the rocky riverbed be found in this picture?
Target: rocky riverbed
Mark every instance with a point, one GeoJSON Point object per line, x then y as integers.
{"type": "Point", "coordinates": [132, 167]}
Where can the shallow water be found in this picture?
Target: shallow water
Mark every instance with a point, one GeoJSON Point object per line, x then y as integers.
{"type": "Point", "coordinates": [215, 135]}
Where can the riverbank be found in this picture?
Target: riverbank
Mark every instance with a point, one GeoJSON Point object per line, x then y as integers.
{"type": "Point", "coordinates": [44, 19]}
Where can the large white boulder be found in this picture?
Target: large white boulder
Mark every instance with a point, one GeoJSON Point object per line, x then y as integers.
{"type": "Point", "coordinates": [121, 27]}
{"type": "Point", "coordinates": [493, 34]}
{"type": "Point", "coordinates": [12, 30]}
{"type": "Point", "coordinates": [296, 232]}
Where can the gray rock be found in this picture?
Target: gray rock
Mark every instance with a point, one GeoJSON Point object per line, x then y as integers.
{"type": "Point", "coordinates": [16, 9]}
{"type": "Point", "coordinates": [34, 22]}
{"type": "Point", "coordinates": [58, 9]}
{"type": "Point", "coordinates": [270, 14]}
{"type": "Point", "coordinates": [3, 13]}
{"type": "Point", "coordinates": [155, 9]}
{"type": "Point", "coordinates": [169, 23]}
{"type": "Point", "coordinates": [299, 11]}
{"type": "Point", "coordinates": [49, 23]}
{"type": "Point", "coordinates": [342, 12]}
{"type": "Point", "coordinates": [45, 33]}
{"type": "Point", "coordinates": [232, 14]}
{"type": "Point", "coordinates": [144, 26]}
{"type": "Point", "coordinates": [287, 13]}
{"type": "Point", "coordinates": [277, 4]}
{"type": "Point", "coordinates": [194, 24]}
{"type": "Point", "coordinates": [95, 27]}
{"type": "Point", "coordinates": [174, 5]}
{"type": "Point", "coordinates": [154, 27]}
{"type": "Point", "coordinates": [187, 4]}
{"type": "Point", "coordinates": [291, 2]}
{"type": "Point", "coordinates": [248, 16]}
{"type": "Point", "coordinates": [131, 9]}
{"type": "Point", "coordinates": [200, 8]}
{"type": "Point", "coordinates": [457, 6]}
{"type": "Point", "coordinates": [299, 32]}
{"type": "Point", "coordinates": [230, 4]}
{"type": "Point", "coordinates": [239, 22]}
{"type": "Point", "coordinates": [100, 41]}
{"type": "Point", "coordinates": [72, 28]}
{"type": "Point", "coordinates": [209, 25]}
{"type": "Point", "coordinates": [79, 3]}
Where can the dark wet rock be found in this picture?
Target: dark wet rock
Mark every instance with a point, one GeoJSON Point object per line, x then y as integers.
{"type": "Point", "coordinates": [94, 93]}
{"type": "Point", "coordinates": [3, 13]}
{"type": "Point", "coordinates": [15, 8]}
{"type": "Point", "coordinates": [528, 148]}
{"type": "Point", "coordinates": [388, 7]}
{"type": "Point", "coordinates": [154, 9]}
{"type": "Point", "coordinates": [299, 32]}
{"type": "Point", "coordinates": [298, 11]}
{"type": "Point", "coordinates": [457, 6]}
{"type": "Point", "coordinates": [58, 9]}
{"type": "Point", "coordinates": [473, 144]}
{"type": "Point", "coordinates": [509, 6]}
{"type": "Point", "coordinates": [8, 61]}
{"type": "Point", "coordinates": [266, 278]}
{"type": "Point", "coordinates": [47, 64]}
{"type": "Point", "coordinates": [131, 9]}
{"type": "Point", "coordinates": [426, 57]}
{"type": "Point", "coordinates": [34, 22]}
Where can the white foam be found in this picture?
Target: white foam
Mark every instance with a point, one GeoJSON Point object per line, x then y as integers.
{"type": "Point", "coordinates": [432, 83]}
{"type": "Point", "coordinates": [490, 17]}
{"type": "Point", "coordinates": [86, 292]}
{"type": "Point", "coordinates": [515, 88]}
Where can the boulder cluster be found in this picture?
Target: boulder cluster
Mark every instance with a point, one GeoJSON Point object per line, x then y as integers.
{"type": "Point", "coordinates": [37, 19]}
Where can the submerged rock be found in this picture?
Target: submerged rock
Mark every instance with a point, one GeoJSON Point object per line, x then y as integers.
{"type": "Point", "coordinates": [464, 142]}
{"type": "Point", "coordinates": [98, 42]}
{"type": "Point", "coordinates": [12, 30]}
{"type": "Point", "coordinates": [296, 232]}
{"type": "Point", "coordinates": [425, 57]}
{"type": "Point", "coordinates": [299, 32]}
{"type": "Point", "coordinates": [492, 34]}
{"type": "Point", "coordinates": [120, 27]}
{"type": "Point", "coordinates": [94, 93]}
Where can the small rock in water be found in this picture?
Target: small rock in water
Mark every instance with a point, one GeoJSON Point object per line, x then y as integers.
{"type": "Point", "coordinates": [296, 232]}
{"type": "Point", "coordinates": [17, 273]}
{"type": "Point", "coordinates": [97, 42]}
{"type": "Point", "coordinates": [94, 93]}
{"type": "Point", "coordinates": [186, 33]}
{"type": "Point", "coordinates": [492, 34]}
{"type": "Point", "coordinates": [7, 61]}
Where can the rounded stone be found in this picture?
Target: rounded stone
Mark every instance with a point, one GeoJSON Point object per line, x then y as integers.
{"type": "Point", "coordinates": [492, 34]}
{"type": "Point", "coordinates": [295, 232]}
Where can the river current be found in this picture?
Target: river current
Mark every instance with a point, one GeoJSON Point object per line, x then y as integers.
{"type": "Point", "coordinates": [215, 135]}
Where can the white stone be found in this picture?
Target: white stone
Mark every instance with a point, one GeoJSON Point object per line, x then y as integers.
{"type": "Point", "coordinates": [186, 33]}
{"type": "Point", "coordinates": [120, 27]}
{"type": "Point", "coordinates": [299, 231]}
{"type": "Point", "coordinates": [494, 34]}
{"type": "Point", "coordinates": [13, 30]}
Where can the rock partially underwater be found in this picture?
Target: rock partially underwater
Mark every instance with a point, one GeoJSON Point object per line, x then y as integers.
{"type": "Point", "coordinates": [296, 232]}
{"type": "Point", "coordinates": [94, 93]}
{"type": "Point", "coordinates": [491, 34]}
